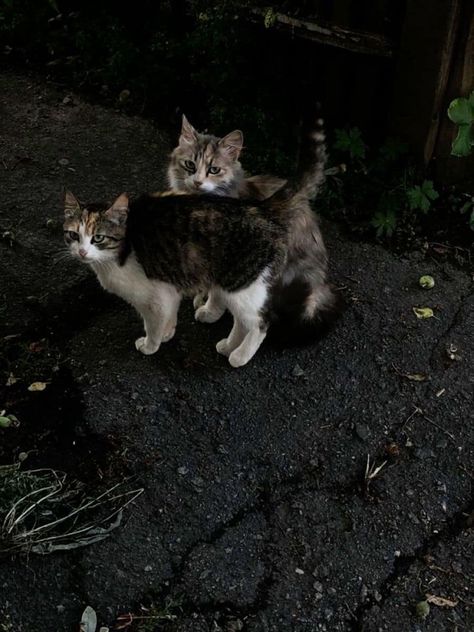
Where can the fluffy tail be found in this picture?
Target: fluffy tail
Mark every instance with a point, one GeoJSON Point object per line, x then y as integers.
{"type": "Point", "coordinates": [310, 172]}
{"type": "Point", "coordinates": [302, 303]}
{"type": "Point", "coordinates": [298, 315]}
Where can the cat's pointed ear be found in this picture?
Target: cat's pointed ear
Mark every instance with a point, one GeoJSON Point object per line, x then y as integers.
{"type": "Point", "coordinates": [71, 205]}
{"type": "Point", "coordinates": [118, 212]}
{"type": "Point", "coordinates": [188, 133]}
{"type": "Point", "coordinates": [232, 143]}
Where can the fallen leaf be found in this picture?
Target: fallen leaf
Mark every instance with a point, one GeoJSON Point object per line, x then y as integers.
{"type": "Point", "coordinates": [442, 602]}
{"type": "Point", "coordinates": [423, 312]}
{"type": "Point", "coordinates": [416, 377]}
{"type": "Point", "coordinates": [427, 282]}
{"type": "Point", "coordinates": [88, 620]}
{"type": "Point", "coordinates": [422, 609]}
{"type": "Point", "coordinates": [5, 422]}
{"type": "Point", "coordinates": [36, 347]}
{"type": "Point", "coordinates": [11, 380]}
{"type": "Point", "coordinates": [37, 386]}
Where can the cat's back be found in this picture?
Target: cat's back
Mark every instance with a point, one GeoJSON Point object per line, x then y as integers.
{"type": "Point", "coordinates": [158, 212]}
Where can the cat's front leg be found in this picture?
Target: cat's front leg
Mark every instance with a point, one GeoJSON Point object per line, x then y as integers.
{"type": "Point", "coordinates": [212, 310]}
{"type": "Point", "coordinates": [159, 319]}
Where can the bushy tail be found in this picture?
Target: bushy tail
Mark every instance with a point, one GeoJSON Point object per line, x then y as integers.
{"type": "Point", "coordinates": [310, 173]}
{"type": "Point", "coordinates": [298, 315]}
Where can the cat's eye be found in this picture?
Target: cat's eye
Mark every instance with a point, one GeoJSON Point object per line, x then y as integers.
{"type": "Point", "coordinates": [97, 239]}
{"type": "Point", "coordinates": [72, 235]}
{"type": "Point", "coordinates": [214, 170]}
{"type": "Point", "coordinates": [190, 166]}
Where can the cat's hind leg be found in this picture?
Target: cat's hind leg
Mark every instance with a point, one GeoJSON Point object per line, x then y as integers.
{"type": "Point", "coordinates": [159, 317]}
{"type": "Point", "coordinates": [213, 309]}
{"type": "Point", "coordinates": [250, 327]}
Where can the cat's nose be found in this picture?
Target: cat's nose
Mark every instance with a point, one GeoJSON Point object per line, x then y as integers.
{"type": "Point", "coordinates": [197, 183]}
{"type": "Point", "coordinates": [82, 252]}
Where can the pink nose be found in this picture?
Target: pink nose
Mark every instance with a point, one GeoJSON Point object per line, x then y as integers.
{"type": "Point", "coordinates": [197, 183]}
{"type": "Point", "coordinates": [82, 252]}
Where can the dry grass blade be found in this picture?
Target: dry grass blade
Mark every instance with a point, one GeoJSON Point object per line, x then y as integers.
{"type": "Point", "coordinates": [41, 511]}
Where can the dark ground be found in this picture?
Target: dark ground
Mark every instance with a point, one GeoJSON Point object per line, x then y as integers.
{"type": "Point", "coordinates": [255, 514]}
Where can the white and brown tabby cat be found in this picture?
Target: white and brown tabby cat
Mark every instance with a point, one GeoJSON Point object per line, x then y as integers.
{"type": "Point", "coordinates": [159, 248]}
{"type": "Point", "coordinates": [203, 163]}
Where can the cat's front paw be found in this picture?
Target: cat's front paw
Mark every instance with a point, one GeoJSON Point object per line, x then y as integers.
{"type": "Point", "coordinates": [238, 358]}
{"type": "Point", "coordinates": [205, 315]}
{"type": "Point", "coordinates": [222, 347]}
{"type": "Point", "coordinates": [199, 300]}
{"type": "Point", "coordinates": [143, 344]}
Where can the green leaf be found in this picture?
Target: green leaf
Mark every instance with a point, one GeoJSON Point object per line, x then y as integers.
{"type": "Point", "coordinates": [429, 190]}
{"type": "Point", "coordinates": [393, 148]}
{"type": "Point", "coordinates": [350, 141]}
{"type": "Point", "coordinates": [420, 197]}
{"type": "Point", "coordinates": [461, 111]}
{"type": "Point", "coordinates": [463, 142]}
{"type": "Point", "coordinates": [471, 99]}
{"type": "Point", "coordinates": [385, 222]}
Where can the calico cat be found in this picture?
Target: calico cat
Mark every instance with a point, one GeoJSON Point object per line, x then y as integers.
{"type": "Point", "coordinates": [202, 163]}
{"type": "Point", "coordinates": [205, 163]}
{"type": "Point", "coordinates": [158, 248]}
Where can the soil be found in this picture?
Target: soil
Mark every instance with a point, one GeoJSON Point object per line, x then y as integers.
{"type": "Point", "coordinates": [257, 513]}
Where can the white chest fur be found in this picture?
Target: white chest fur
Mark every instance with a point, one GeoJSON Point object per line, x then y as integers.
{"type": "Point", "coordinates": [128, 281]}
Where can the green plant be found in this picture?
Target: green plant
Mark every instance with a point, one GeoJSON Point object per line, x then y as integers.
{"type": "Point", "coordinates": [461, 112]}
{"type": "Point", "coordinates": [350, 141]}
{"type": "Point", "coordinates": [421, 196]}
{"type": "Point", "coordinates": [379, 187]}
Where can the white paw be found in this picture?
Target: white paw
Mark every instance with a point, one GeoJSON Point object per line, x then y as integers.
{"type": "Point", "coordinates": [205, 315]}
{"type": "Point", "coordinates": [143, 345]}
{"type": "Point", "coordinates": [169, 334]}
{"type": "Point", "coordinates": [237, 358]}
{"type": "Point", "coordinates": [199, 300]}
{"type": "Point", "coordinates": [222, 347]}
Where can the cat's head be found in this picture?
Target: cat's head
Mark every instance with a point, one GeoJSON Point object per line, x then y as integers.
{"type": "Point", "coordinates": [202, 163]}
{"type": "Point", "coordinates": [95, 233]}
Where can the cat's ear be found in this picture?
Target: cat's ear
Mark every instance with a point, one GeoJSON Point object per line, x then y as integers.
{"type": "Point", "coordinates": [188, 133]}
{"type": "Point", "coordinates": [71, 205]}
{"type": "Point", "coordinates": [118, 212]}
{"type": "Point", "coordinates": [232, 144]}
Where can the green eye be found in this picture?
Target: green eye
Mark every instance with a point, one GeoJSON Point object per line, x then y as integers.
{"type": "Point", "coordinates": [72, 235]}
{"type": "Point", "coordinates": [190, 166]}
{"type": "Point", "coordinates": [97, 239]}
{"type": "Point", "coordinates": [214, 170]}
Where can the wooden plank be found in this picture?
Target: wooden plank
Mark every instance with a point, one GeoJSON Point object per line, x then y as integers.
{"type": "Point", "coordinates": [451, 169]}
{"type": "Point", "coordinates": [424, 65]}
{"type": "Point", "coordinates": [332, 35]}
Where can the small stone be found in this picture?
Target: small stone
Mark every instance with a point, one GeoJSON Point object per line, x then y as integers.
{"type": "Point", "coordinates": [299, 571]}
{"type": "Point", "coordinates": [424, 453]}
{"type": "Point", "coordinates": [318, 587]}
{"type": "Point", "coordinates": [362, 431]}
{"type": "Point", "coordinates": [378, 596]}
{"type": "Point", "coordinates": [63, 162]}
{"type": "Point", "coordinates": [364, 591]}
{"type": "Point", "coordinates": [297, 371]}
{"type": "Point", "coordinates": [183, 470]}
{"type": "Point", "coordinates": [60, 609]}
{"type": "Point", "coordinates": [67, 100]}
{"type": "Point", "coordinates": [148, 568]}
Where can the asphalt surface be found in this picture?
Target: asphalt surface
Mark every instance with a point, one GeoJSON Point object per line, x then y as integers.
{"type": "Point", "coordinates": [257, 513]}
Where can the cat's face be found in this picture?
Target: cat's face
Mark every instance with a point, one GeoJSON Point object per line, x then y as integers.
{"type": "Point", "coordinates": [205, 164]}
{"type": "Point", "coordinates": [94, 233]}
